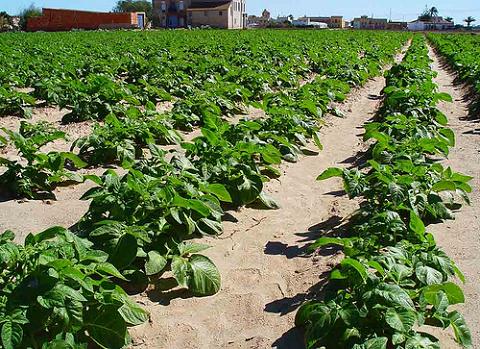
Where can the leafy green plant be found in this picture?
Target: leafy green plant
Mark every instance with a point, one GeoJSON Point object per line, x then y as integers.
{"type": "Point", "coordinates": [36, 174]}
{"type": "Point", "coordinates": [16, 103]}
{"type": "Point", "coordinates": [122, 140]}
{"type": "Point", "coordinates": [144, 217]}
{"type": "Point", "coordinates": [55, 291]}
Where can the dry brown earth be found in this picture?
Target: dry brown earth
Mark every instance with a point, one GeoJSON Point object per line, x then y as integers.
{"type": "Point", "coordinates": [461, 238]}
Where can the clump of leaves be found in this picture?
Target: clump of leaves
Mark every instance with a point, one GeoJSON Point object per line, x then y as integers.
{"type": "Point", "coordinates": [35, 174]}
{"type": "Point", "coordinates": [16, 103]}
{"type": "Point", "coordinates": [122, 139]}
{"type": "Point", "coordinates": [141, 219]}
{"type": "Point", "coordinates": [55, 291]}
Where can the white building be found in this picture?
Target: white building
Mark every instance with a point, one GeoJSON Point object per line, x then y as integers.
{"type": "Point", "coordinates": [437, 23]}
{"type": "Point", "coordinates": [306, 22]}
{"type": "Point", "coordinates": [283, 19]}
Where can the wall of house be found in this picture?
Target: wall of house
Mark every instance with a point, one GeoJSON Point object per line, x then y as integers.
{"type": "Point", "coordinates": [336, 22]}
{"type": "Point", "coordinates": [370, 23]}
{"type": "Point", "coordinates": [164, 11]}
{"type": "Point", "coordinates": [176, 13]}
{"type": "Point", "coordinates": [237, 10]}
{"type": "Point", "coordinates": [64, 20]}
{"type": "Point", "coordinates": [213, 18]}
{"type": "Point", "coordinates": [416, 26]}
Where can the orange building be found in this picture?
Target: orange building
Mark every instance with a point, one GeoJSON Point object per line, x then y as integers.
{"type": "Point", "coordinates": [64, 20]}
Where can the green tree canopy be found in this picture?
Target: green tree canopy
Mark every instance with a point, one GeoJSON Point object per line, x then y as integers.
{"type": "Point", "coordinates": [469, 20]}
{"type": "Point", "coordinates": [29, 12]}
{"type": "Point", "coordinates": [134, 6]}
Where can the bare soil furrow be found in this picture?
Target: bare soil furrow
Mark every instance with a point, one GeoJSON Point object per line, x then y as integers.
{"type": "Point", "coordinates": [461, 238]}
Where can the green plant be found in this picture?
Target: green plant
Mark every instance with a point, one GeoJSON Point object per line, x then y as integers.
{"type": "Point", "coordinates": [55, 291]}
{"type": "Point", "coordinates": [35, 174]}
{"type": "Point", "coordinates": [122, 140]}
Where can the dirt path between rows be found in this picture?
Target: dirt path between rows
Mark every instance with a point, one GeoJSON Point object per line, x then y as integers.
{"type": "Point", "coordinates": [461, 238]}
{"type": "Point", "coordinates": [265, 272]}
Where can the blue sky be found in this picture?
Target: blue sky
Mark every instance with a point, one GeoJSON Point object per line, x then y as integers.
{"type": "Point", "coordinates": [403, 9]}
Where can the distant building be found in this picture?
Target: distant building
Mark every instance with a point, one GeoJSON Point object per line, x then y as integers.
{"type": "Point", "coordinates": [226, 14]}
{"type": "Point", "coordinates": [436, 23]}
{"type": "Point", "coordinates": [366, 22]}
{"type": "Point", "coordinates": [283, 19]}
{"type": "Point", "coordinates": [262, 21]}
{"type": "Point", "coordinates": [64, 20]}
{"type": "Point", "coordinates": [307, 23]}
{"type": "Point", "coordinates": [334, 22]}
{"type": "Point", "coordinates": [395, 25]}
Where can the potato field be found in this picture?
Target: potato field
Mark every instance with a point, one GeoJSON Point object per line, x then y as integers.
{"type": "Point", "coordinates": [239, 189]}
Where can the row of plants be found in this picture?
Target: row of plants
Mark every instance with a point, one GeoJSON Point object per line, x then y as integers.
{"type": "Point", "coordinates": [94, 74]}
{"type": "Point", "coordinates": [461, 53]}
{"type": "Point", "coordinates": [115, 141]}
{"type": "Point", "coordinates": [140, 225]}
{"type": "Point", "coordinates": [124, 134]}
{"type": "Point", "coordinates": [394, 282]}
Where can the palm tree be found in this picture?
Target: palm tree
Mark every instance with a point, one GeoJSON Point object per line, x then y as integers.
{"type": "Point", "coordinates": [469, 20]}
{"type": "Point", "coordinates": [449, 19]}
{"type": "Point", "coordinates": [433, 12]}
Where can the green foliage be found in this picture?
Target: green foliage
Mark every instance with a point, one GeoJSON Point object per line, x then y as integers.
{"type": "Point", "coordinates": [461, 53]}
{"type": "Point", "coordinates": [55, 291]}
{"type": "Point", "coordinates": [134, 6]}
{"type": "Point", "coordinates": [142, 222]}
{"type": "Point", "coordinates": [122, 140]}
{"type": "Point", "coordinates": [35, 174]}
{"type": "Point", "coordinates": [394, 278]}
{"type": "Point", "coordinates": [26, 13]}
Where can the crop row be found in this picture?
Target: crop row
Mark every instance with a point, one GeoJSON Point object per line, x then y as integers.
{"type": "Point", "coordinates": [139, 225]}
{"type": "Point", "coordinates": [197, 72]}
{"type": "Point", "coordinates": [462, 53]}
{"type": "Point", "coordinates": [394, 280]}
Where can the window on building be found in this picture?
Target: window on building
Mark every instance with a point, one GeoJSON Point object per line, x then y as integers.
{"type": "Point", "coordinates": [163, 6]}
{"type": "Point", "coordinates": [220, 13]}
{"type": "Point", "coordinates": [205, 13]}
{"type": "Point", "coordinates": [180, 5]}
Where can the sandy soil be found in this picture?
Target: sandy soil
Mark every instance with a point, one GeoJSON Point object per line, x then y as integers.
{"type": "Point", "coordinates": [461, 238]}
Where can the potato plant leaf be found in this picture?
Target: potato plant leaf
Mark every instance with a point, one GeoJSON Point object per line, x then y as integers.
{"type": "Point", "coordinates": [205, 280]}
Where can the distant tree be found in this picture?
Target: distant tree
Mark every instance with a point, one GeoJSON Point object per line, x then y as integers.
{"type": "Point", "coordinates": [425, 15]}
{"type": "Point", "coordinates": [449, 19]}
{"type": "Point", "coordinates": [134, 6]}
{"type": "Point", "coordinates": [29, 12]}
{"type": "Point", "coordinates": [469, 20]}
{"type": "Point", "coordinates": [429, 14]}
{"type": "Point", "coordinates": [433, 12]}
{"type": "Point", "coordinates": [5, 21]}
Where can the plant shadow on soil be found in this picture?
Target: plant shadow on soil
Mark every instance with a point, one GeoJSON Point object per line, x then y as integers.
{"type": "Point", "coordinates": [333, 226]}
{"type": "Point", "coordinates": [165, 290]}
{"type": "Point", "coordinates": [358, 160]}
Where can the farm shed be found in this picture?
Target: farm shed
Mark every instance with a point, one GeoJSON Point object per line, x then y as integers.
{"type": "Point", "coordinates": [63, 20]}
